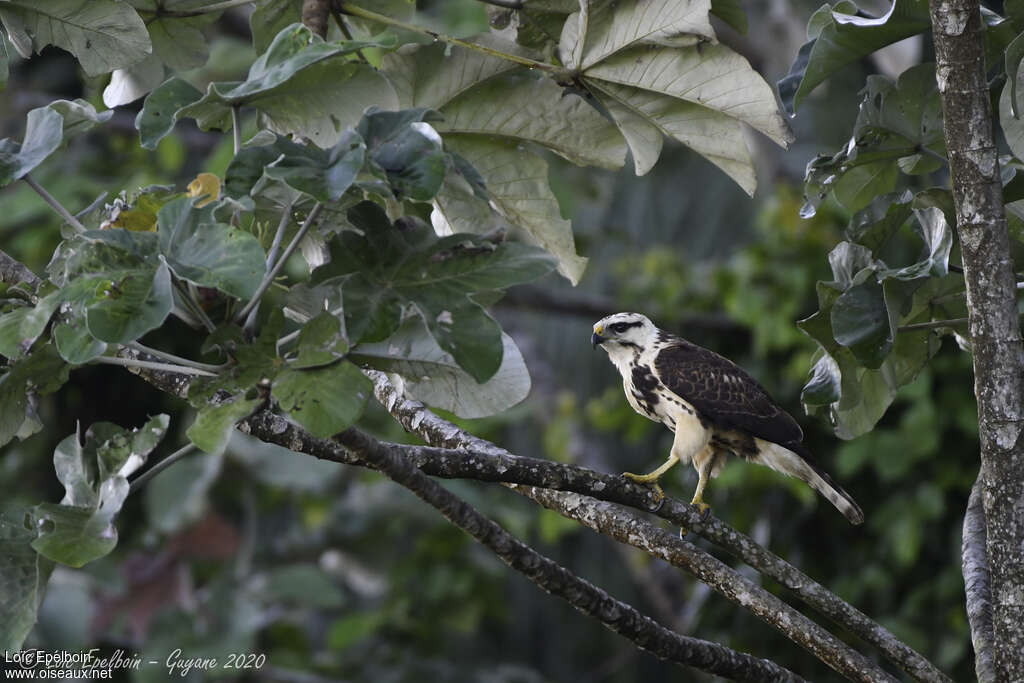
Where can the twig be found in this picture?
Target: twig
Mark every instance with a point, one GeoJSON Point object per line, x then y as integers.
{"type": "Point", "coordinates": [279, 235]}
{"type": "Point", "coordinates": [54, 204]}
{"type": "Point", "coordinates": [553, 578]}
{"type": "Point", "coordinates": [629, 527]}
{"type": "Point", "coordinates": [507, 4]}
{"type": "Point", "coordinates": [140, 481]}
{"type": "Point", "coordinates": [175, 359]}
{"type": "Point", "coordinates": [357, 11]}
{"type": "Point", "coordinates": [269, 278]}
{"type": "Point", "coordinates": [977, 586]}
{"type": "Point", "coordinates": [345, 32]}
{"type": "Point", "coordinates": [932, 324]}
{"type": "Point", "coordinates": [150, 365]}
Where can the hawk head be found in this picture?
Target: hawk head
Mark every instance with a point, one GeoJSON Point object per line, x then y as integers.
{"type": "Point", "coordinates": [624, 332]}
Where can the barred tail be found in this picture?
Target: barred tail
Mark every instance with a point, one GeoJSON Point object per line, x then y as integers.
{"type": "Point", "coordinates": [798, 465]}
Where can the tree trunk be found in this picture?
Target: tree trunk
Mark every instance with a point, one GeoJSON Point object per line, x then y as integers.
{"type": "Point", "coordinates": [992, 311]}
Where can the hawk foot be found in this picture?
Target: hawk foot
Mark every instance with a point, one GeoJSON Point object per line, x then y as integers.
{"type": "Point", "coordinates": [648, 480]}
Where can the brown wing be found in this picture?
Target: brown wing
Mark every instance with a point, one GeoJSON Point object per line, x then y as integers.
{"type": "Point", "coordinates": [725, 394]}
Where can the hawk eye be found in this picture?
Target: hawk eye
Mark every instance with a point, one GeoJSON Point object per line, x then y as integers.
{"type": "Point", "coordinates": [619, 328]}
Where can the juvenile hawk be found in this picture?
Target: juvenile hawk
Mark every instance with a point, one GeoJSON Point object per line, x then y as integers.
{"type": "Point", "coordinates": [713, 406]}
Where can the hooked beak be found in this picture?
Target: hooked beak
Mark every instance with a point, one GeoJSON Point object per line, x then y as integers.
{"type": "Point", "coordinates": [596, 340]}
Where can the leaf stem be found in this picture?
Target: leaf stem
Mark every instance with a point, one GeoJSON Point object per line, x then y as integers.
{"type": "Point", "coordinates": [54, 204]}
{"type": "Point", "coordinates": [175, 359]}
{"type": "Point", "coordinates": [292, 336]}
{"type": "Point", "coordinates": [356, 11]}
{"type": "Point", "coordinates": [159, 467]}
{"type": "Point", "coordinates": [209, 9]}
{"type": "Point", "coordinates": [193, 306]}
{"type": "Point", "coordinates": [236, 129]}
{"type": "Point", "coordinates": [507, 4]}
{"type": "Point", "coordinates": [276, 268]}
{"type": "Point", "coordinates": [149, 365]}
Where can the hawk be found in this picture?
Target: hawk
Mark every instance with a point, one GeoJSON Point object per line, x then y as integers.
{"type": "Point", "coordinates": [713, 406]}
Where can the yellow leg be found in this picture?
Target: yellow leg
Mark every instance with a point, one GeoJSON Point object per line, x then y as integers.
{"type": "Point", "coordinates": [653, 477]}
{"type": "Point", "coordinates": [703, 474]}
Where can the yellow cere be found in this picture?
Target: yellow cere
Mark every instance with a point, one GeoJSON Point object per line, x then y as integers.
{"type": "Point", "coordinates": [598, 329]}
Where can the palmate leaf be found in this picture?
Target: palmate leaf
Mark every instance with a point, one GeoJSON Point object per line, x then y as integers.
{"type": "Point", "coordinates": [648, 64]}
{"type": "Point", "coordinates": [388, 270]}
{"type": "Point", "coordinates": [95, 477]}
{"type": "Point", "coordinates": [325, 400]}
{"type": "Point", "coordinates": [177, 41]}
{"type": "Point", "coordinates": [286, 84]}
{"type": "Point", "coordinates": [160, 111]}
{"type": "Point", "coordinates": [432, 376]}
{"type": "Point", "coordinates": [102, 34]}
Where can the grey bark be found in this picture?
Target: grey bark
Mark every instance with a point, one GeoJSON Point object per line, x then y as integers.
{"type": "Point", "coordinates": [992, 312]}
{"type": "Point", "coordinates": [315, 14]}
{"type": "Point", "coordinates": [977, 587]}
{"type": "Point", "coordinates": [629, 527]}
{"type": "Point", "coordinates": [497, 464]}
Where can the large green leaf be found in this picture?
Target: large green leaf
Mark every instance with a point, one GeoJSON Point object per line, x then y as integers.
{"type": "Point", "coordinates": [20, 328]}
{"type": "Point", "coordinates": [324, 400]}
{"type": "Point", "coordinates": [213, 424]}
{"type": "Point", "coordinates": [432, 376]}
{"type": "Point", "coordinates": [608, 27]}
{"type": "Point", "coordinates": [102, 34]}
{"type": "Point", "coordinates": [178, 40]}
{"type": "Point", "coordinates": [125, 309]}
{"type": "Point", "coordinates": [286, 84]}
{"type": "Point", "coordinates": [45, 129]}
{"type": "Point", "coordinates": [385, 270]}
{"type": "Point", "coordinates": [41, 373]}
{"type": "Point", "coordinates": [518, 190]}
{"type": "Point", "coordinates": [527, 109]}
{"type": "Point", "coordinates": [159, 112]}
{"type": "Point", "coordinates": [841, 35]}
{"type": "Point", "coordinates": [208, 253]}
{"type": "Point", "coordinates": [270, 18]}
{"type": "Point", "coordinates": [406, 151]}
{"type": "Point", "coordinates": [95, 477]}
{"type": "Point", "coordinates": [23, 576]}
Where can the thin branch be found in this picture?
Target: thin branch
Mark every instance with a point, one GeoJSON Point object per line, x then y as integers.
{"type": "Point", "coordinates": [977, 587]}
{"type": "Point", "coordinates": [932, 324]}
{"type": "Point", "coordinates": [345, 32]}
{"type": "Point", "coordinates": [54, 204]}
{"type": "Point", "coordinates": [250, 320]}
{"type": "Point", "coordinates": [175, 359]}
{"type": "Point", "coordinates": [150, 365]}
{"type": "Point", "coordinates": [140, 481]}
{"type": "Point", "coordinates": [491, 463]}
{"type": "Point", "coordinates": [629, 527]}
{"type": "Point", "coordinates": [552, 577]}
{"type": "Point", "coordinates": [507, 4]}
{"type": "Point", "coordinates": [208, 9]}
{"type": "Point", "coordinates": [357, 11]}
{"type": "Point", "coordinates": [269, 278]}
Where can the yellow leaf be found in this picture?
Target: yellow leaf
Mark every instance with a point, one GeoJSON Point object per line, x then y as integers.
{"type": "Point", "coordinates": [205, 185]}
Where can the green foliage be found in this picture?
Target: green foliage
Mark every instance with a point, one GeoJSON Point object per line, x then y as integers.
{"type": "Point", "coordinates": [46, 129]}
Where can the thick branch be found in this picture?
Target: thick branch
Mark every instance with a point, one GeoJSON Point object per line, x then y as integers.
{"type": "Point", "coordinates": [315, 14]}
{"type": "Point", "coordinates": [996, 344]}
{"type": "Point", "coordinates": [977, 587]}
{"type": "Point", "coordinates": [496, 464]}
{"type": "Point", "coordinates": [629, 527]}
{"type": "Point", "coordinates": [552, 577]}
